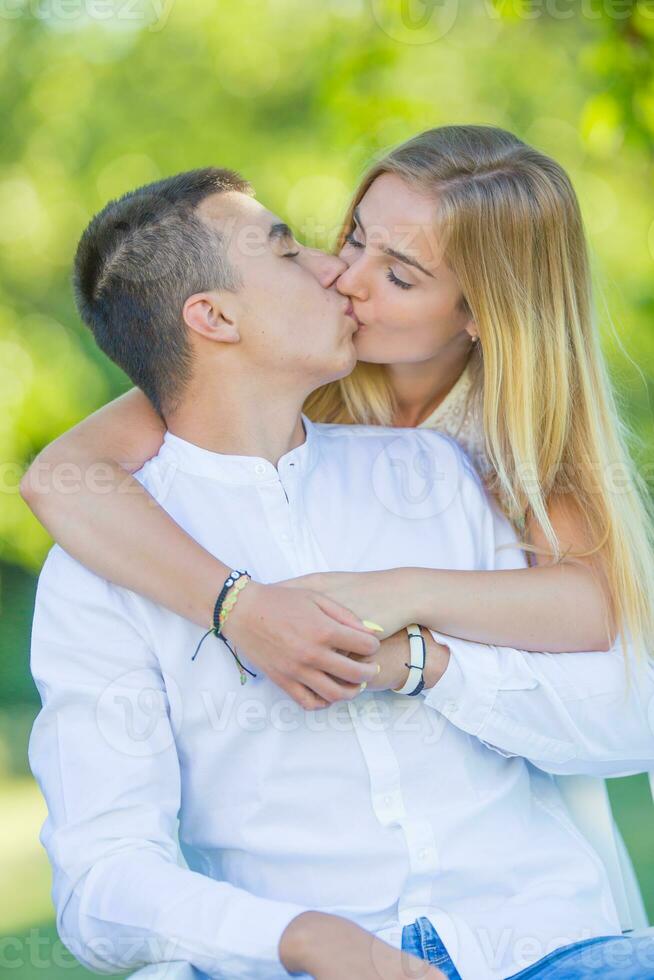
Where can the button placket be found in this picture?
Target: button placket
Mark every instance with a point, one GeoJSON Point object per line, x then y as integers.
{"type": "Point", "coordinates": [422, 845]}
{"type": "Point", "coordinates": [388, 803]}
{"type": "Point", "coordinates": [424, 860]}
{"type": "Point", "coordinates": [289, 474]}
{"type": "Point", "coordinates": [381, 762]}
{"type": "Point", "coordinates": [279, 511]}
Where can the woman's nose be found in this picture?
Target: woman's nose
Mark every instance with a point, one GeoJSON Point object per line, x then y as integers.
{"type": "Point", "coordinates": [351, 282]}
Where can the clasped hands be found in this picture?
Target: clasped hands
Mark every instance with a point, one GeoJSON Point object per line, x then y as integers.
{"type": "Point", "coordinates": [308, 636]}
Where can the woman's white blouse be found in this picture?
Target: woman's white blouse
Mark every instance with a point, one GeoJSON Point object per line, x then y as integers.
{"type": "Point", "coordinates": [458, 416]}
{"type": "Point", "coordinates": [381, 809]}
{"type": "Point", "coordinates": [455, 416]}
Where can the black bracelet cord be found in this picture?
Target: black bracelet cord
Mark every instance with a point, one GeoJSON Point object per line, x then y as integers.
{"type": "Point", "coordinates": [231, 580]}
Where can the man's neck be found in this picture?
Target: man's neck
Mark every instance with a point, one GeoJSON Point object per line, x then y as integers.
{"type": "Point", "coordinates": [242, 422]}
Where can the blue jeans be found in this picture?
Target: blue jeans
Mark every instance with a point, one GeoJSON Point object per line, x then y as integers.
{"type": "Point", "coordinates": [421, 939]}
{"type": "Point", "coordinates": [628, 957]}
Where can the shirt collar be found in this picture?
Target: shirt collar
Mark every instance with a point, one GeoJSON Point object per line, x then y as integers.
{"type": "Point", "coordinates": [191, 458]}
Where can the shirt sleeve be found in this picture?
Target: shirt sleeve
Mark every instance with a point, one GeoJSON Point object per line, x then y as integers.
{"type": "Point", "coordinates": [103, 751]}
{"type": "Point", "coordinates": [567, 713]}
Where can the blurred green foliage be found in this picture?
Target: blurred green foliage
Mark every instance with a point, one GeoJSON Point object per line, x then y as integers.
{"type": "Point", "coordinates": [298, 96]}
{"type": "Point", "coordinates": [98, 96]}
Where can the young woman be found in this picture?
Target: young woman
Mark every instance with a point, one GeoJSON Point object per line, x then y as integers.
{"type": "Point", "coordinates": [465, 260]}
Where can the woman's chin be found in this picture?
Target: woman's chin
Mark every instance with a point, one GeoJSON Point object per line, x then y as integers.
{"type": "Point", "coordinates": [367, 351]}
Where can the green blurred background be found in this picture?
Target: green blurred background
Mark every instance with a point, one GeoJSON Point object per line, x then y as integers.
{"type": "Point", "coordinates": [98, 96]}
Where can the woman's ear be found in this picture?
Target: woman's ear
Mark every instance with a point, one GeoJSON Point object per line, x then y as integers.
{"type": "Point", "coordinates": [470, 325]}
{"type": "Point", "coordinates": [207, 315]}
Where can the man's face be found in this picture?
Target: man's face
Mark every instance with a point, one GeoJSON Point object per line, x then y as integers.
{"type": "Point", "coordinates": [290, 318]}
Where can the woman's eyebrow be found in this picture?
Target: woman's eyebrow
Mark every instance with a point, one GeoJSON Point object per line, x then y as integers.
{"type": "Point", "coordinates": [393, 252]}
{"type": "Point", "coordinates": [407, 259]}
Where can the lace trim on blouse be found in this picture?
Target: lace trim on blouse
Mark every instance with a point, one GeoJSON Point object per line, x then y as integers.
{"type": "Point", "coordinates": [456, 417]}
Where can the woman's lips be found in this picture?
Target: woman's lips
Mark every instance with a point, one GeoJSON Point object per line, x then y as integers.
{"type": "Point", "coordinates": [349, 310]}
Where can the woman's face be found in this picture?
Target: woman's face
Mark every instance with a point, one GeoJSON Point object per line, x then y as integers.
{"type": "Point", "coordinates": [407, 300]}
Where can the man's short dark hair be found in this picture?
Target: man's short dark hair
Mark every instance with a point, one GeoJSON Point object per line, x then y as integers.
{"type": "Point", "coordinates": [138, 261]}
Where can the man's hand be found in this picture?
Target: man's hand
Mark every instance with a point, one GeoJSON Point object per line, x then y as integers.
{"type": "Point", "coordinates": [393, 656]}
{"type": "Point", "coordinates": [329, 947]}
{"type": "Point", "coordinates": [302, 640]}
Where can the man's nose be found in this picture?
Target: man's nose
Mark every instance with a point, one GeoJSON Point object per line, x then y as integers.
{"type": "Point", "coordinates": [326, 268]}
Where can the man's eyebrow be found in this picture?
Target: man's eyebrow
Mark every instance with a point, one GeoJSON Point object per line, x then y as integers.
{"type": "Point", "coordinates": [278, 231]}
{"type": "Point", "coordinates": [393, 252]}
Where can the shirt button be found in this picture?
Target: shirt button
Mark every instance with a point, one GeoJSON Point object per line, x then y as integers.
{"type": "Point", "coordinates": [450, 706]}
{"type": "Point", "coordinates": [260, 469]}
{"type": "Point", "coordinates": [285, 536]}
{"type": "Point", "coordinates": [423, 853]}
{"type": "Point", "coordinates": [388, 800]}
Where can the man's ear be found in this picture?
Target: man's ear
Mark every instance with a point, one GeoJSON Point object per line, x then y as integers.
{"type": "Point", "coordinates": [209, 314]}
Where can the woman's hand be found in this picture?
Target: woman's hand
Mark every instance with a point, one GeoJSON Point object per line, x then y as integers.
{"type": "Point", "coordinates": [382, 597]}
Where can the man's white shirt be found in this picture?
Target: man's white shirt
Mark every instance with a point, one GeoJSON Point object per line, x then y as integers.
{"type": "Point", "coordinates": [191, 817]}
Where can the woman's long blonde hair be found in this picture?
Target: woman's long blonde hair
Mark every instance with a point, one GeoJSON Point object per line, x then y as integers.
{"type": "Point", "coordinates": [511, 228]}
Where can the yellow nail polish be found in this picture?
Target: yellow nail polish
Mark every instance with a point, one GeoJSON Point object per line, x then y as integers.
{"type": "Point", "coordinates": [369, 625]}
{"type": "Point", "coordinates": [379, 668]}
{"type": "Point", "coordinates": [363, 685]}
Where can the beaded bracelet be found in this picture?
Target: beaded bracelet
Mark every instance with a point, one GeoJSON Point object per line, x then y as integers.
{"type": "Point", "coordinates": [234, 584]}
{"type": "Point", "coordinates": [229, 603]}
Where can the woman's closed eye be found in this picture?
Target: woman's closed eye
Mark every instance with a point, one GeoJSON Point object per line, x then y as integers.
{"type": "Point", "coordinates": [390, 275]}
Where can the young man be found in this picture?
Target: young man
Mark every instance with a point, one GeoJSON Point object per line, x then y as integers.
{"type": "Point", "coordinates": [315, 842]}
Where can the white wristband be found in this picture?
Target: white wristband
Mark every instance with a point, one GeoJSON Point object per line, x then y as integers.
{"type": "Point", "coordinates": [415, 681]}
